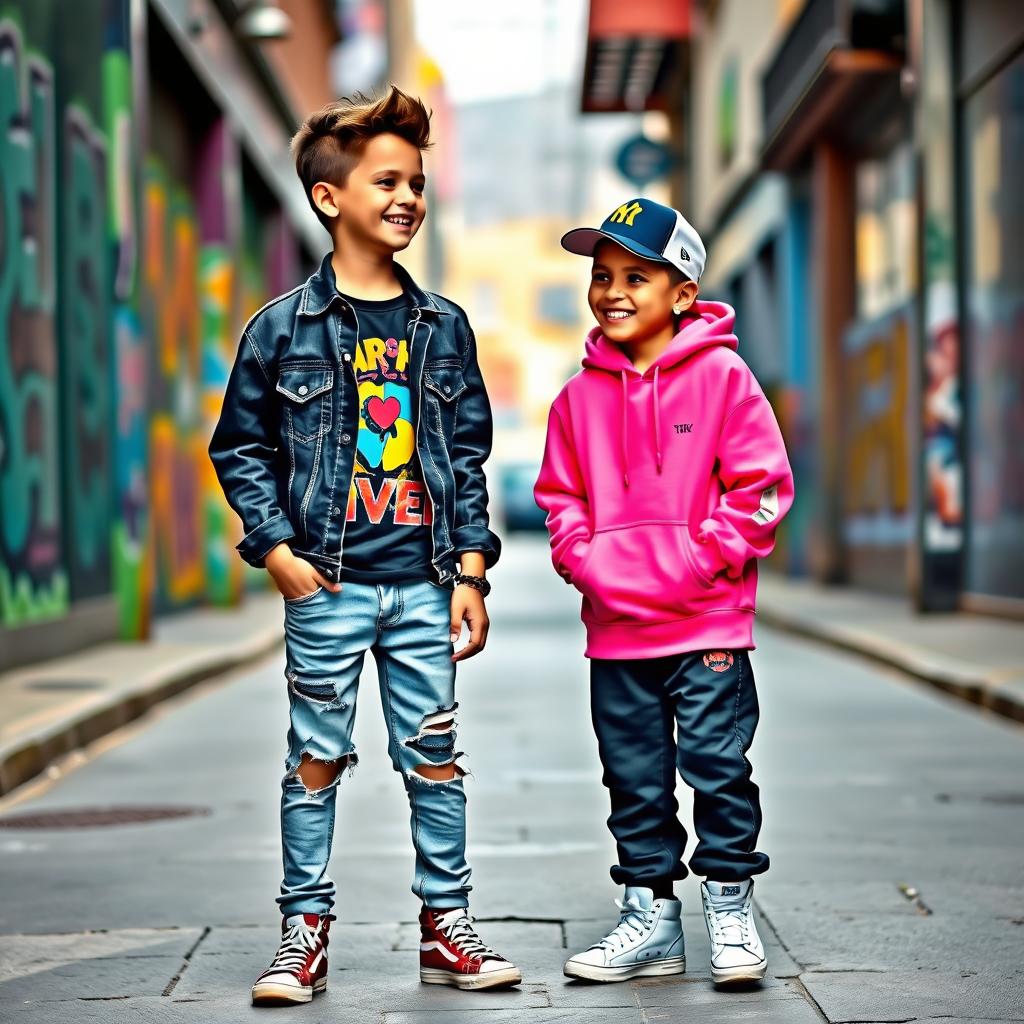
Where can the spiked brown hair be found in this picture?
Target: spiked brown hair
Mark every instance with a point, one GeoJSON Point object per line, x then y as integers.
{"type": "Point", "coordinates": [330, 141]}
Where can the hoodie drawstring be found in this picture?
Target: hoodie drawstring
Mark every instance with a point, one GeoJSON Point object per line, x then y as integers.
{"type": "Point", "coordinates": [625, 424]}
{"type": "Point", "coordinates": [625, 430]}
{"type": "Point", "coordinates": [657, 421]}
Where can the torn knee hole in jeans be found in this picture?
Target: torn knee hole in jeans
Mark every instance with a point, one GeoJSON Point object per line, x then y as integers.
{"type": "Point", "coordinates": [437, 730]}
{"type": "Point", "coordinates": [317, 691]}
{"type": "Point", "coordinates": [448, 770]}
{"type": "Point", "coordinates": [327, 773]}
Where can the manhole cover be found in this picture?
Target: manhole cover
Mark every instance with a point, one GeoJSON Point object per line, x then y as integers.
{"type": "Point", "coordinates": [99, 817]}
{"type": "Point", "coordinates": [62, 684]}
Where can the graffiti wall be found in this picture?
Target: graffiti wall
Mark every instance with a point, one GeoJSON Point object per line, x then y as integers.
{"type": "Point", "coordinates": [131, 567]}
{"type": "Point", "coordinates": [85, 356]}
{"type": "Point", "coordinates": [171, 302]}
{"type": "Point", "coordinates": [33, 577]}
{"type": "Point", "coordinates": [121, 299]}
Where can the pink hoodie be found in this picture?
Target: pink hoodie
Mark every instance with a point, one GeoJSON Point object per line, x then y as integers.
{"type": "Point", "coordinates": [662, 489]}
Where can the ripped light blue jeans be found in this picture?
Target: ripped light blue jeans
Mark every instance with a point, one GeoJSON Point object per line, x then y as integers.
{"type": "Point", "coordinates": [406, 627]}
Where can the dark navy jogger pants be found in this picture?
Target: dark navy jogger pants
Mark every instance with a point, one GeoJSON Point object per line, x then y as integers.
{"type": "Point", "coordinates": [696, 712]}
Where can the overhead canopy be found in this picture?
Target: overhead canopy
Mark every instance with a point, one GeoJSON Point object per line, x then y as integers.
{"type": "Point", "coordinates": [632, 50]}
{"type": "Point", "coordinates": [835, 74]}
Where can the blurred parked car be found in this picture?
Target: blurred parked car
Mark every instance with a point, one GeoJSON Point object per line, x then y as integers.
{"type": "Point", "coordinates": [518, 509]}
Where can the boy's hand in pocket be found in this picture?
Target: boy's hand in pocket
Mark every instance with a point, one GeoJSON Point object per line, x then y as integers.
{"type": "Point", "coordinates": [294, 576]}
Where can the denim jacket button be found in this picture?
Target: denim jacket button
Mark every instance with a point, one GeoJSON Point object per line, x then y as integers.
{"type": "Point", "coordinates": [303, 390]}
{"type": "Point", "coordinates": [347, 357]}
{"type": "Point", "coordinates": [447, 389]}
{"type": "Point", "coordinates": [335, 511]}
{"type": "Point", "coordinates": [345, 438]}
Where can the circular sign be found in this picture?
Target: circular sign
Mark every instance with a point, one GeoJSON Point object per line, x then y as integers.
{"type": "Point", "coordinates": [640, 160]}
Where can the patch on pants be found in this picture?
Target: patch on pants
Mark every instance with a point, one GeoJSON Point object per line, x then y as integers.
{"type": "Point", "coordinates": [718, 661]}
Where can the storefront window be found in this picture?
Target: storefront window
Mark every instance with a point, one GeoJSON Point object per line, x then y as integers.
{"type": "Point", "coordinates": [994, 285]}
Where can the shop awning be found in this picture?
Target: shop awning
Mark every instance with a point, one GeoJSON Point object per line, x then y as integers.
{"type": "Point", "coordinates": [633, 48]}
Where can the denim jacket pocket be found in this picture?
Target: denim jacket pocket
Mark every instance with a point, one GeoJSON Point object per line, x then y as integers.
{"type": "Point", "coordinates": [446, 382]}
{"type": "Point", "coordinates": [308, 409]}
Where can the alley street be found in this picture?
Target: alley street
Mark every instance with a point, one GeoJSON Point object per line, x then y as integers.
{"type": "Point", "coordinates": [894, 817]}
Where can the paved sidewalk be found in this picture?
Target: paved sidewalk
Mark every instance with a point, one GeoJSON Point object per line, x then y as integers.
{"type": "Point", "coordinates": [55, 707]}
{"type": "Point", "coordinates": [891, 819]}
{"type": "Point", "coordinates": [58, 706]}
{"type": "Point", "coordinates": [976, 657]}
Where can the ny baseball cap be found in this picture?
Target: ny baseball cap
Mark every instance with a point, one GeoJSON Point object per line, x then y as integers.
{"type": "Point", "coordinates": [648, 229]}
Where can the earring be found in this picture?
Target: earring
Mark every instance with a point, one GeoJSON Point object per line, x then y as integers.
{"type": "Point", "coordinates": [677, 310]}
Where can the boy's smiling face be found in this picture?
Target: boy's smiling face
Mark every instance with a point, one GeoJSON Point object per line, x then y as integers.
{"type": "Point", "coordinates": [632, 297]}
{"type": "Point", "coordinates": [381, 204]}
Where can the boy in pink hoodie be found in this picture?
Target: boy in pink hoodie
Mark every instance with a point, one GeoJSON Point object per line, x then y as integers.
{"type": "Point", "coordinates": [664, 478]}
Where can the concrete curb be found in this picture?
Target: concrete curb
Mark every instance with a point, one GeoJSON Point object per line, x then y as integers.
{"type": "Point", "coordinates": [952, 677]}
{"type": "Point", "coordinates": [27, 756]}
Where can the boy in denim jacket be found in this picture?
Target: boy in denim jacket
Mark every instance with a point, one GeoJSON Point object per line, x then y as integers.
{"type": "Point", "coordinates": [351, 444]}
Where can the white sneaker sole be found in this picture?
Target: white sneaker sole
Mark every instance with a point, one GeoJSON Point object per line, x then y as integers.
{"type": "Point", "coordinates": [650, 969]}
{"type": "Point", "coordinates": [274, 994]}
{"type": "Point", "coordinates": [490, 979]}
{"type": "Point", "coordinates": [739, 975]}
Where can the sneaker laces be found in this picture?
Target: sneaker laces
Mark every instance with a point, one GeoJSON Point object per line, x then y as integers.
{"type": "Point", "coordinates": [461, 933]}
{"type": "Point", "coordinates": [296, 944]}
{"type": "Point", "coordinates": [731, 920]}
{"type": "Point", "coordinates": [634, 923]}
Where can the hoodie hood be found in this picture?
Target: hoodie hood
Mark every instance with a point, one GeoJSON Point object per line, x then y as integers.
{"type": "Point", "coordinates": [710, 325]}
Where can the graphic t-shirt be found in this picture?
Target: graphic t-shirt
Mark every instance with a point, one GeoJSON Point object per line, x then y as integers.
{"type": "Point", "coordinates": [387, 529]}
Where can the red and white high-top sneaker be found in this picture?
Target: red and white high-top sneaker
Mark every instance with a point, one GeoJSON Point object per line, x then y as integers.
{"type": "Point", "coordinates": [299, 970]}
{"type": "Point", "coordinates": [451, 953]}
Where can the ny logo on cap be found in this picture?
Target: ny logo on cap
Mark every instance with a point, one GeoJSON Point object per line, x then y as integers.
{"type": "Point", "coordinates": [625, 214]}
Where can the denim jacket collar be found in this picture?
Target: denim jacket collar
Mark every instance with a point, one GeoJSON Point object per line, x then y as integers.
{"type": "Point", "coordinates": [321, 290]}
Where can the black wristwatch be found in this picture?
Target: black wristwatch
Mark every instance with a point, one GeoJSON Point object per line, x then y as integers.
{"type": "Point", "coordinates": [476, 582]}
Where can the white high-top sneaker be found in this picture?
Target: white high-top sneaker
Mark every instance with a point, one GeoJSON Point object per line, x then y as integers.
{"type": "Point", "coordinates": [737, 955]}
{"type": "Point", "coordinates": [648, 940]}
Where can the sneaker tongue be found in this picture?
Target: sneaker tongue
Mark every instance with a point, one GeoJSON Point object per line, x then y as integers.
{"type": "Point", "coordinates": [644, 898]}
{"type": "Point", "coordinates": [729, 890]}
{"type": "Point", "coordinates": [445, 919]}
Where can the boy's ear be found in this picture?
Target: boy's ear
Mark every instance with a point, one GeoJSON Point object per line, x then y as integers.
{"type": "Point", "coordinates": [323, 197]}
{"type": "Point", "coordinates": [686, 295]}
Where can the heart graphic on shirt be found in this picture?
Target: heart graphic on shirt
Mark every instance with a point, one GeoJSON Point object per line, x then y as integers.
{"type": "Point", "coordinates": [383, 411]}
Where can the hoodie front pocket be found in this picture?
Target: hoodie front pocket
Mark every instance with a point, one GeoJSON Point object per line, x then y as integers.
{"type": "Point", "coordinates": [643, 572]}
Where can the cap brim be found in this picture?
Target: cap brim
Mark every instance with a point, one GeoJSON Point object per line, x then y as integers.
{"type": "Point", "coordinates": [583, 242]}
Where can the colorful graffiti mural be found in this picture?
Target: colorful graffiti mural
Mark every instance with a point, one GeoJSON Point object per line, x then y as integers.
{"type": "Point", "coordinates": [221, 527]}
{"type": "Point", "coordinates": [34, 582]}
{"type": "Point", "coordinates": [122, 285]}
{"type": "Point", "coordinates": [129, 543]}
{"type": "Point", "coordinates": [177, 451]}
{"type": "Point", "coordinates": [85, 356]}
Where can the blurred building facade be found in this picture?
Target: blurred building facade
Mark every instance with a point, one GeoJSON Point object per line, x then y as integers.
{"type": "Point", "coordinates": [850, 165]}
{"type": "Point", "coordinates": [150, 207]}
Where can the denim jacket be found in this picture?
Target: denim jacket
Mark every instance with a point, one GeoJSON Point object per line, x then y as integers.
{"type": "Point", "coordinates": [285, 445]}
